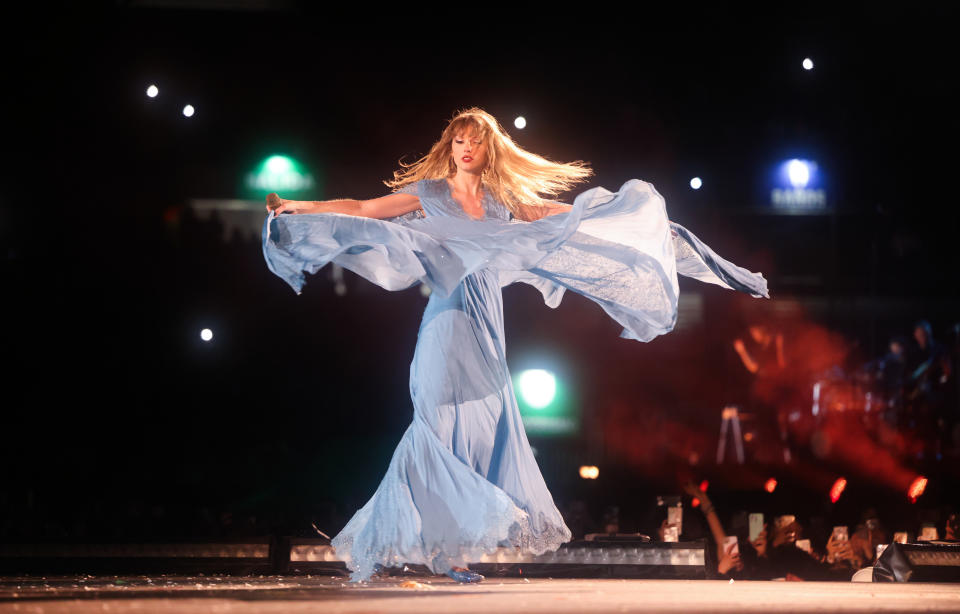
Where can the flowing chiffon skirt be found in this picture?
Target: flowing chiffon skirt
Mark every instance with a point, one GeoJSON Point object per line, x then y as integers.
{"type": "Point", "coordinates": [463, 480]}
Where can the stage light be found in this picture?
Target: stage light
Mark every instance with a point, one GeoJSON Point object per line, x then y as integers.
{"type": "Point", "coordinates": [916, 488]}
{"type": "Point", "coordinates": [798, 186]}
{"type": "Point", "coordinates": [152, 91]}
{"type": "Point", "coordinates": [807, 64]}
{"type": "Point", "coordinates": [696, 183]}
{"type": "Point", "coordinates": [279, 173]}
{"type": "Point", "coordinates": [704, 485]}
{"type": "Point", "coordinates": [279, 164]}
{"type": "Point", "coordinates": [188, 110]}
{"type": "Point", "coordinates": [770, 485]}
{"type": "Point", "coordinates": [538, 387]}
{"type": "Point", "coordinates": [589, 472]}
{"type": "Point", "coordinates": [837, 489]}
{"type": "Point", "coordinates": [520, 122]}
{"type": "Point", "coordinates": [206, 334]}
{"type": "Point", "coordinates": [799, 173]}
{"type": "Point", "coordinates": [695, 502]}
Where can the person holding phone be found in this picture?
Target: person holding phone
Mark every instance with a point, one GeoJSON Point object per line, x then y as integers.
{"type": "Point", "coordinates": [728, 551]}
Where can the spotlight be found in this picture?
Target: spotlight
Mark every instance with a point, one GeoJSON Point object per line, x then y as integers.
{"type": "Point", "coordinates": [188, 110]}
{"type": "Point", "coordinates": [837, 489]}
{"type": "Point", "coordinates": [770, 485]}
{"type": "Point", "coordinates": [520, 122]}
{"type": "Point", "coordinates": [696, 183]}
{"type": "Point", "coordinates": [279, 164]}
{"type": "Point", "coordinates": [206, 334]}
{"type": "Point", "coordinates": [538, 387]}
{"type": "Point", "coordinates": [916, 488]}
{"type": "Point", "coordinates": [589, 472]}
{"type": "Point", "coordinates": [799, 173]}
{"type": "Point", "coordinates": [152, 91]}
{"type": "Point", "coordinates": [807, 64]}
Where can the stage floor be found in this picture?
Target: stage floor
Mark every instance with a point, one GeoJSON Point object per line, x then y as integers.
{"type": "Point", "coordinates": [424, 594]}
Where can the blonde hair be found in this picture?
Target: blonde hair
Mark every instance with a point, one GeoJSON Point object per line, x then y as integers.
{"type": "Point", "coordinates": [513, 175]}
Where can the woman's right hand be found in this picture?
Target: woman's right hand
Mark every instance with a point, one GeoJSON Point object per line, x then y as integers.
{"type": "Point", "coordinates": [280, 205]}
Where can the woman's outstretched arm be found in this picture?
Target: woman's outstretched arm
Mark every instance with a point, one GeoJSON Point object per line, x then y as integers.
{"type": "Point", "coordinates": [533, 213]}
{"type": "Point", "coordinates": [390, 205]}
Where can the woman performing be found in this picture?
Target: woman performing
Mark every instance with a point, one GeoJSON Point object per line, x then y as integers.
{"type": "Point", "coordinates": [468, 219]}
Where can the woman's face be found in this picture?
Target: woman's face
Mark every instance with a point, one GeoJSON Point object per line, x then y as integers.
{"type": "Point", "coordinates": [469, 153]}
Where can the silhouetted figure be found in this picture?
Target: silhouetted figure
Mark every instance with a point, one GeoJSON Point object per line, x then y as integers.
{"type": "Point", "coordinates": [929, 372]}
{"type": "Point", "coordinates": [771, 393]}
{"type": "Point", "coordinates": [890, 373]}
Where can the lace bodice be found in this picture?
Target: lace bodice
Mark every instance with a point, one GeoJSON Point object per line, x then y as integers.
{"type": "Point", "coordinates": [436, 200]}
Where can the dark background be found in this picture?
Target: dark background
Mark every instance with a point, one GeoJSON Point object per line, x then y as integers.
{"type": "Point", "coordinates": [118, 422]}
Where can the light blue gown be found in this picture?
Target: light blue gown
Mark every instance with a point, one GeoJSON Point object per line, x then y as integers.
{"type": "Point", "coordinates": [463, 479]}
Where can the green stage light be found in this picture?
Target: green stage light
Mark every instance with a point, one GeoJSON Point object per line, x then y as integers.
{"type": "Point", "coordinates": [545, 404]}
{"type": "Point", "coordinates": [538, 387]}
{"type": "Point", "coordinates": [279, 173]}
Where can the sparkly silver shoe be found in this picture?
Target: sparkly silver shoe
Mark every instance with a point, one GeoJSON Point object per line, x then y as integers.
{"type": "Point", "coordinates": [441, 562]}
{"type": "Point", "coordinates": [464, 577]}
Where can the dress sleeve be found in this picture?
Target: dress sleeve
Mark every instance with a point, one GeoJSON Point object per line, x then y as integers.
{"type": "Point", "coordinates": [416, 214]}
{"type": "Point", "coordinates": [410, 188]}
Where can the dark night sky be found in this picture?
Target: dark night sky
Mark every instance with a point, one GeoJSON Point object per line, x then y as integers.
{"type": "Point", "coordinates": [103, 300]}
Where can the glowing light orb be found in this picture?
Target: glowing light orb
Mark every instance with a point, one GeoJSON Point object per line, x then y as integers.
{"type": "Point", "coordinates": [770, 485]}
{"type": "Point", "coordinates": [279, 173]}
{"type": "Point", "coordinates": [152, 91]}
{"type": "Point", "coordinates": [279, 164]}
{"type": "Point", "coordinates": [696, 183]}
{"type": "Point", "coordinates": [538, 387]}
{"type": "Point", "coordinates": [589, 472]}
{"type": "Point", "coordinates": [188, 110]}
{"type": "Point", "coordinates": [916, 488]}
{"type": "Point", "coordinates": [799, 173]}
{"type": "Point", "coordinates": [837, 489]}
{"type": "Point", "coordinates": [206, 334]}
{"type": "Point", "coordinates": [520, 122]}
{"type": "Point", "coordinates": [807, 64]}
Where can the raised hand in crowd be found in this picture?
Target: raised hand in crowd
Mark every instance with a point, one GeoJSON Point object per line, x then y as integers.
{"type": "Point", "coordinates": [842, 550]}
{"type": "Point", "coordinates": [786, 534]}
{"type": "Point", "coordinates": [760, 543]}
{"type": "Point", "coordinates": [729, 560]}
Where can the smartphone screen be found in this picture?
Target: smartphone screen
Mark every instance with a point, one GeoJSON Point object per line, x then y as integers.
{"type": "Point", "coordinates": [756, 525]}
{"type": "Point", "coordinates": [840, 534]}
{"type": "Point", "coordinates": [675, 516]}
{"type": "Point", "coordinates": [785, 520]}
{"type": "Point", "coordinates": [731, 539]}
{"type": "Point", "coordinates": [671, 535]}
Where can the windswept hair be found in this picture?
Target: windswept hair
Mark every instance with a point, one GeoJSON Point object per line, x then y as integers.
{"type": "Point", "coordinates": [513, 175]}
